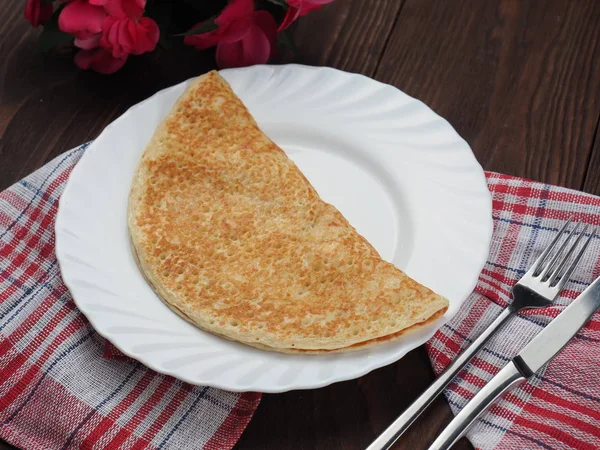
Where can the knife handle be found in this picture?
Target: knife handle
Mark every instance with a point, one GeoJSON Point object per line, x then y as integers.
{"type": "Point", "coordinates": [507, 377]}
{"type": "Point", "coordinates": [386, 439]}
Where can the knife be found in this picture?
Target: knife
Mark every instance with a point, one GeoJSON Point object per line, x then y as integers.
{"type": "Point", "coordinates": [538, 352]}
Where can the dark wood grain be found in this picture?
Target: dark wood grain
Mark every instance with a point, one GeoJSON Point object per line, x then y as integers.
{"type": "Point", "coordinates": [348, 34]}
{"type": "Point", "coordinates": [592, 176]}
{"type": "Point", "coordinates": [351, 414]}
{"type": "Point", "coordinates": [520, 80]}
{"type": "Point", "coordinates": [517, 79]}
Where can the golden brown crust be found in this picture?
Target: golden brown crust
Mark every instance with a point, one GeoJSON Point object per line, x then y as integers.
{"type": "Point", "coordinates": [232, 236]}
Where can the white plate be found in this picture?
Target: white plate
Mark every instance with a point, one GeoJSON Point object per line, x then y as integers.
{"type": "Point", "coordinates": [399, 172]}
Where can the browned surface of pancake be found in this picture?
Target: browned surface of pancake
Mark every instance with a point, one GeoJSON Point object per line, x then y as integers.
{"type": "Point", "coordinates": [232, 236]}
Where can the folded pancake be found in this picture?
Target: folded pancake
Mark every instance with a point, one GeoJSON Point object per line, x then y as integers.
{"type": "Point", "coordinates": [234, 238]}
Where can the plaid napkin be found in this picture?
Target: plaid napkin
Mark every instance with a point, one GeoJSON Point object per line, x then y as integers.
{"type": "Point", "coordinates": [61, 386]}
{"type": "Point", "coordinates": [559, 407]}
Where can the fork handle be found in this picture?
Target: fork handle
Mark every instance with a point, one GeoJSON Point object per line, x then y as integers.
{"type": "Point", "coordinates": [399, 426]}
{"type": "Point", "coordinates": [503, 380]}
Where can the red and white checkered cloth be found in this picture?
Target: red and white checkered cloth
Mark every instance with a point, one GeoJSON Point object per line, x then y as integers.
{"type": "Point", "coordinates": [61, 387]}
{"type": "Point", "coordinates": [559, 408]}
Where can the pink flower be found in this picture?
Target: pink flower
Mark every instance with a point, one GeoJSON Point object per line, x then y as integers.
{"type": "Point", "coordinates": [297, 8]}
{"type": "Point", "coordinates": [99, 60]}
{"type": "Point", "coordinates": [82, 19]}
{"type": "Point", "coordinates": [36, 13]}
{"type": "Point", "coordinates": [243, 37]}
{"type": "Point", "coordinates": [126, 35]}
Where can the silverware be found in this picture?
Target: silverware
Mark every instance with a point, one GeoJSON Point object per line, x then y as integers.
{"type": "Point", "coordinates": [536, 289]}
{"type": "Point", "coordinates": [545, 346]}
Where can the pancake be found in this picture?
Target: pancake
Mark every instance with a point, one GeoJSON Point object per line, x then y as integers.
{"type": "Point", "coordinates": [233, 238]}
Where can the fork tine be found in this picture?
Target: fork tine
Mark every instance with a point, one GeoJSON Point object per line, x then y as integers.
{"type": "Point", "coordinates": [563, 278]}
{"type": "Point", "coordinates": [549, 269]}
{"type": "Point", "coordinates": [538, 262]}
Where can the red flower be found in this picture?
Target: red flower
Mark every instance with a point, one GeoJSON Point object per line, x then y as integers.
{"type": "Point", "coordinates": [297, 8]}
{"type": "Point", "coordinates": [36, 13]}
{"type": "Point", "coordinates": [81, 19]}
{"type": "Point", "coordinates": [99, 60]}
{"type": "Point", "coordinates": [108, 31]}
{"type": "Point", "coordinates": [244, 36]}
{"type": "Point", "coordinates": [126, 35]}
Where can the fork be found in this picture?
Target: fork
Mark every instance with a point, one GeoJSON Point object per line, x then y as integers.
{"type": "Point", "coordinates": [539, 286]}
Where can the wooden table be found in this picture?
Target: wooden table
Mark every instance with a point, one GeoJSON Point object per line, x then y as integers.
{"type": "Point", "coordinates": [519, 80]}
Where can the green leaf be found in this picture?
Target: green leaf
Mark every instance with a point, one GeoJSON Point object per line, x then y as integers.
{"type": "Point", "coordinates": [51, 37]}
{"type": "Point", "coordinates": [205, 27]}
{"type": "Point", "coordinates": [285, 40]}
{"type": "Point", "coordinates": [281, 3]}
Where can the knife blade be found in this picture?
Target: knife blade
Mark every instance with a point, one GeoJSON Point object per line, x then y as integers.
{"type": "Point", "coordinates": [545, 346]}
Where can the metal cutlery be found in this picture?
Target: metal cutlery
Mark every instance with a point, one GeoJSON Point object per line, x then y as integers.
{"type": "Point", "coordinates": [536, 289]}
{"type": "Point", "coordinates": [545, 346]}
